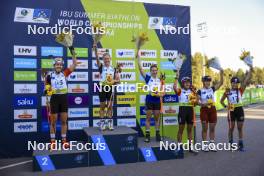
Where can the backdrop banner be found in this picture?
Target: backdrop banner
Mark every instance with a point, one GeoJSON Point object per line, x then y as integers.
{"type": "Point", "coordinates": [28, 40]}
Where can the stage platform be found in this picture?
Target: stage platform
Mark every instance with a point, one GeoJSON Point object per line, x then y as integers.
{"type": "Point", "coordinates": [119, 146]}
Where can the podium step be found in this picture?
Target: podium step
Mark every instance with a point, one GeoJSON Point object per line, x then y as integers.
{"type": "Point", "coordinates": [152, 151]}
{"type": "Point", "coordinates": [47, 160]}
{"type": "Point", "coordinates": [120, 146]}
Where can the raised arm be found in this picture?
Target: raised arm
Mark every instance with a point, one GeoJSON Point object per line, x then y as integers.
{"type": "Point", "coordinates": [175, 85]}
{"type": "Point", "coordinates": [220, 83]}
{"type": "Point", "coordinates": [143, 74]}
{"type": "Point", "coordinates": [222, 101]}
{"type": "Point", "coordinates": [74, 62]}
{"type": "Point", "coordinates": [247, 78]}
{"type": "Point", "coordinates": [98, 63]}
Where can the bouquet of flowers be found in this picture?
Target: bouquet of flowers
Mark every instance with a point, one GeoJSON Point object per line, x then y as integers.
{"type": "Point", "coordinates": [246, 57]}
{"type": "Point", "coordinates": [48, 90]}
{"type": "Point", "coordinates": [140, 40]}
{"type": "Point", "coordinates": [109, 80]}
{"type": "Point", "coordinates": [66, 39]}
{"type": "Point", "coordinates": [193, 98]}
{"type": "Point", "coordinates": [96, 28]}
{"type": "Point", "coordinates": [178, 61]}
{"type": "Point", "coordinates": [231, 107]}
{"type": "Point", "coordinates": [155, 92]}
{"type": "Point", "coordinates": [210, 103]}
{"type": "Point", "coordinates": [214, 63]}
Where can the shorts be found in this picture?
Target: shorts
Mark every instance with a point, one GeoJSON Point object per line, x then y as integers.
{"type": "Point", "coordinates": [152, 106]}
{"type": "Point", "coordinates": [208, 115]}
{"type": "Point", "coordinates": [237, 114]}
{"type": "Point", "coordinates": [105, 96]}
{"type": "Point", "coordinates": [185, 115]}
{"type": "Point", "coordinates": [58, 103]}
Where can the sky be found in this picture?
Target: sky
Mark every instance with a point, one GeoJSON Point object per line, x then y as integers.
{"type": "Point", "coordinates": [232, 26]}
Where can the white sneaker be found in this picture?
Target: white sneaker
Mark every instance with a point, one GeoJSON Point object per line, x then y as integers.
{"type": "Point", "coordinates": [212, 147]}
{"type": "Point", "coordinates": [110, 124]}
{"type": "Point", "coordinates": [102, 125]}
{"type": "Point", "coordinates": [205, 148]}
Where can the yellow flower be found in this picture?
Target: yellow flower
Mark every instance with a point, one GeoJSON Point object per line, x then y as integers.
{"type": "Point", "coordinates": [210, 103]}
{"type": "Point", "coordinates": [244, 54]}
{"type": "Point", "coordinates": [192, 98]}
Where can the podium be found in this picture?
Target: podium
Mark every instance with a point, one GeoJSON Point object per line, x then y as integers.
{"type": "Point", "coordinates": [120, 146]}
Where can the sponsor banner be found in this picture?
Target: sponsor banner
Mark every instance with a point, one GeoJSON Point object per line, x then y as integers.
{"type": "Point", "coordinates": [167, 121]}
{"type": "Point", "coordinates": [53, 51]}
{"type": "Point", "coordinates": [25, 101]}
{"type": "Point", "coordinates": [125, 53]}
{"type": "Point", "coordinates": [96, 100]}
{"type": "Point", "coordinates": [142, 99]}
{"type": "Point", "coordinates": [165, 54]}
{"type": "Point", "coordinates": [25, 63]}
{"type": "Point", "coordinates": [82, 64]}
{"type": "Point", "coordinates": [25, 88]}
{"type": "Point", "coordinates": [77, 88]}
{"type": "Point", "coordinates": [143, 122]}
{"type": "Point", "coordinates": [102, 51]}
{"type": "Point", "coordinates": [167, 66]}
{"type": "Point", "coordinates": [126, 111]}
{"type": "Point", "coordinates": [78, 76]}
{"type": "Point", "coordinates": [126, 64]}
{"type": "Point", "coordinates": [96, 123]}
{"type": "Point", "coordinates": [148, 53]}
{"type": "Point", "coordinates": [25, 114]}
{"type": "Point", "coordinates": [24, 127]}
{"type": "Point", "coordinates": [25, 50]}
{"type": "Point", "coordinates": [128, 76]}
{"type": "Point", "coordinates": [47, 63]}
{"type": "Point", "coordinates": [123, 88]}
{"type": "Point", "coordinates": [146, 64]}
{"type": "Point", "coordinates": [126, 99]}
{"type": "Point", "coordinates": [78, 100]}
{"type": "Point", "coordinates": [160, 22]}
{"type": "Point", "coordinates": [170, 99]}
{"type": "Point", "coordinates": [96, 112]}
{"type": "Point", "coordinates": [29, 15]}
{"type": "Point", "coordinates": [171, 110]}
{"type": "Point", "coordinates": [131, 122]}
{"type": "Point", "coordinates": [44, 100]}
{"type": "Point", "coordinates": [143, 110]}
{"type": "Point", "coordinates": [80, 52]}
{"type": "Point", "coordinates": [78, 112]}
{"type": "Point", "coordinates": [96, 76]}
{"type": "Point", "coordinates": [25, 76]}
{"type": "Point", "coordinates": [77, 124]}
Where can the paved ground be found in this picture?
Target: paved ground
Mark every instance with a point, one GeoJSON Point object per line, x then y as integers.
{"type": "Point", "coordinates": [249, 163]}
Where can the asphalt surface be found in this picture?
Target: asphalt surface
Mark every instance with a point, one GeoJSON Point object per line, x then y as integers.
{"type": "Point", "coordinates": [248, 163]}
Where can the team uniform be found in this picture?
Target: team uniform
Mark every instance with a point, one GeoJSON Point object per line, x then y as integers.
{"type": "Point", "coordinates": [186, 108]}
{"type": "Point", "coordinates": [207, 114]}
{"type": "Point", "coordinates": [106, 72]}
{"type": "Point", "coordinates": [58, 82]}
{"type": "Point", "coordinates": [235, 100]}
{"type": "Point", "coordinates": [152, 102]}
